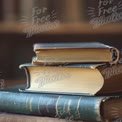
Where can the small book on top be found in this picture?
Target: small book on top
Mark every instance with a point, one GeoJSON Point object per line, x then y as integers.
{"type": "Point", "coordinates": [67, 53]}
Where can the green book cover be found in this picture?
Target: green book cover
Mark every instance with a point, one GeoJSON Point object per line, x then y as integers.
{"type": "Point", "coordinates": [87, 108]}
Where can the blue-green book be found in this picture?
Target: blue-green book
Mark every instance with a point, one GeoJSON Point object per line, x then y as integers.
{"type": "Point", "coordinates": [71, 107]}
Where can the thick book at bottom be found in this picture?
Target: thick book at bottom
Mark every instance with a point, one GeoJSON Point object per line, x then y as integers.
{"type": "Point", "coordinates": [85, 108]}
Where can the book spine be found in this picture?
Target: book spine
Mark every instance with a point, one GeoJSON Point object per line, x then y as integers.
{"type": "Point", "coordinates": [49, 105]}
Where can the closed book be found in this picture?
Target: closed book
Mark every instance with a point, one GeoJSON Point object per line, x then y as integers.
{"type": "Point", "coordinates": [87, 79]}
{"type": "Point", "coordinates": [61, 53]}
{"type": "Point", "coordinates": [86, 108]}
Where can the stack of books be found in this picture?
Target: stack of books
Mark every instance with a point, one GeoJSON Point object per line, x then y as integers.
{"type": "Point", "coordinates": [71, 81]}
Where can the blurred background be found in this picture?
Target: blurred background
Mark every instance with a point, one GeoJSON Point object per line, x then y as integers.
{"type": "Point", "coordinates": [25, 22]}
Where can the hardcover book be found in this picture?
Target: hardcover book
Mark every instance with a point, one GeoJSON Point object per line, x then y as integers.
{"type": "Point", "coordinates": [85, 108]}
{"type": "Point", "coordinates": [87, 79]}
{"type": "Point", "coordinates": [61, 53]}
